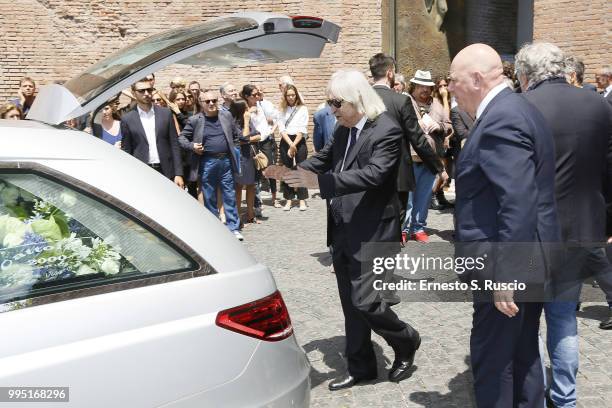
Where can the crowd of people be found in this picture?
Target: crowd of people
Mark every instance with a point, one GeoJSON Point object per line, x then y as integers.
{"type": "Point", "coordinates": [532, 168]}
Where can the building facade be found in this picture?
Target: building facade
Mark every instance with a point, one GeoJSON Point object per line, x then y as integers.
{"type": "Point", "coordinates": [53, 40]}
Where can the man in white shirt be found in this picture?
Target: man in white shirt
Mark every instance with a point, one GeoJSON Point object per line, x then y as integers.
{"type": "Point", "coordinates": [149, 134]}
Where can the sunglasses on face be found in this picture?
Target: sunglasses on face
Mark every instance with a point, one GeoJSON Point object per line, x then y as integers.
{"type": "Point", "coordinates": [336, 103]}
{"type": "Point", "coordinates": [141, 91]}
{"type": "Point", "coordinates": [207, 101]}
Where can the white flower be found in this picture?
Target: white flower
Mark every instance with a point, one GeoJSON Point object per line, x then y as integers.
{"type": "Point", "coordinates": [9, 195]}
{"type": "Point", "coordinates": [12, 230]}
{"type": "Point", "coordinates": [16, 275]}
{"type": "Point", "coordinates": [68, 198]}
{"type": "Point", "coordinates": [85, 270]}
{"type": "Point", "coordinates": [110, 267]}
{"type": "Point", "coordinates": [75, 245]}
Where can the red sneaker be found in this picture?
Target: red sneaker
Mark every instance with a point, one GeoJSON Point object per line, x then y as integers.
{"type": "Point", "coordinates": [404, 237]}
{"type": "Point", "coordinates": [420, 236]}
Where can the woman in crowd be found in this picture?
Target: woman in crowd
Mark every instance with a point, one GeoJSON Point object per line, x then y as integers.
{"type": "Point", "coordinates": [109, 128]}
{"type": "Point", "coordinates": [259, 121]}
{"type": "Point", "coordinates": [178, 98]}
{"type": "Point", "coordinates": [433, 121]}
{"type": "Point", "coordinates": [441, 94]}
{"type": "Point", "coordinates": [159, 99]}
{"type": "Point", "coordinates": [10, 111]}
{"type": "Point", "coordinates": [292, 126]}
{"type": "Point", "coordinates": [247, 178]}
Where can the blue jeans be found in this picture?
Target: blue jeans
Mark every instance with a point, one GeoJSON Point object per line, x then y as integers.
{"type": "Point", "coordinates": [215, 173]}
{"type": "Point", "coordinates": [418, 200]}
{"type": "Point", "coordinates": [562, 343]}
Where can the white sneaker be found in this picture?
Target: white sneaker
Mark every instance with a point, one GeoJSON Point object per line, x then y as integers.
{"type": "Point", "coordinates": [287, 206]}
{"type": "Point", "coordinates": [238, 235]}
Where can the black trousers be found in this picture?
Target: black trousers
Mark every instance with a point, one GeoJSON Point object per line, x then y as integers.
{"type": "Point", "coordinates": [268, 147]}
{"type": "Point", "coordinates": [403, 199]}
{"type": "Point", "coordinates": [290, 193]}
{"type": "Point", "coordinates": [361, 316]}
{"type": "Point", "coordinates": [506, 358]}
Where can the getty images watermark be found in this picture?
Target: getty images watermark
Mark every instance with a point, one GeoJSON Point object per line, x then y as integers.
{"type": "Point", "coordinates": [405, 263]}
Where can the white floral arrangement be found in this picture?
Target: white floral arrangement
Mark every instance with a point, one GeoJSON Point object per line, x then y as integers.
{"type": "Point", "coordinates": [39, 242]}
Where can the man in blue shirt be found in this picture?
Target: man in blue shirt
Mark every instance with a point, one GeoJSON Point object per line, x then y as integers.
{"type": "Point", "coordinates": [211, 135]}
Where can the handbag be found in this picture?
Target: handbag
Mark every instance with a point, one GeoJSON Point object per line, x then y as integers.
{"type": "Point", "coordinates": [260, 159]}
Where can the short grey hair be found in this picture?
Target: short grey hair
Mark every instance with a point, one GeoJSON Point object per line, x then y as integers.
{"type": "Point", "coordinates": [606, 71]}
{"type": "Point", "coordinates": [286, 80]}
{"type": "Point", "coordinates": [539, 61]}
{"type": "Point", "coordinates": [223, 88]}
{"type": "Point", "coordinates": [400, 78]}
{"type": "Point", "coordinates": [575, 65]}
{"type": "Point", "coordinates": [352, 86]}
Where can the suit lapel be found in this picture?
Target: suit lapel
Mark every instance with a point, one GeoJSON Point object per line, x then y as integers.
{"type": "Point", "coordinates": [138, 126]}
{"type": "Point", "coordinates": [342, 141]}
{"type": "Point", "coordinates": [499, 96]}
{"type": "Point", "coordinates": [158, 126]}
{"type": "Point", "coordinates": [365, 133]}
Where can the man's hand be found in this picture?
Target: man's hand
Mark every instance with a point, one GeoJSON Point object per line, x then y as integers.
{"type": "Point", "coordinates": [118, 144]}
{"type": "Point", "coordinates": [198, 148]}
{"type": "Point", "coordinates": [275, 172]}
{"type": "Point", "coordinates": [504, 302]}
{"type": "Point", "coordinates": [301, 178]}
{"type": "Point", "coordinates": [178, 180]}
{"type": "Point", "coordinates": [609, 240]}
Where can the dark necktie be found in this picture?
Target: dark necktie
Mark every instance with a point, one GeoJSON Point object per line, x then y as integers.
{"type": "Point", "coordinates": [336, 204]}
{"type": "Point", "coordinates": [351, 143]}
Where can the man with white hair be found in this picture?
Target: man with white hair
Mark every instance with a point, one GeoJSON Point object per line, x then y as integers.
{"type": "Point", "coordinates": [604, 81]}
{"type": "Point", "coordinates": [505, 196]}
{"type": "Point", "coordinates": [229, 94]}
{"type": "Point", "coordinates": [581, 124]}
{"type": "Point", "coordinates": [356, 173]}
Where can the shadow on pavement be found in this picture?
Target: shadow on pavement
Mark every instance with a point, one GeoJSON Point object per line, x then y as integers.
{"type": "Point", "coordinates": [331, 352]}
{"type": "Point", "coordinates": [461, 393]}
{"type": "Point", "coordinates": [599, 312]}
{"type": "Point", "coordinates": [324, 258]}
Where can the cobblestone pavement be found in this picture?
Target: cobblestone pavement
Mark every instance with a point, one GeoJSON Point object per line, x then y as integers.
{"type": "Point", "coordinates": [292, 244]}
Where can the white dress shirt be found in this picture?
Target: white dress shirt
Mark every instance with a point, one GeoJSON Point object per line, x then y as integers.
{"type": "Point", "coordinates": [148, 123]}
{"type": "Point", "coordinates": [607, 91]}
{"type": "Point", "coordinates": [260, 123]}
{"type": "Point", "coordinates": [299, 122]}
{"type": "Point", "coordinates": [359, 127]}
{"type": "Point", "coordinates": [492, 94]}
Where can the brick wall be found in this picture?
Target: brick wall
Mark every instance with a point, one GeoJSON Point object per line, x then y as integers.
{"type": "Point", "coordinates": [493, 23]}
{"type": "Point", "coordinates": [56, 39]}
{"type": "Point", "coordinates": [583, 29]}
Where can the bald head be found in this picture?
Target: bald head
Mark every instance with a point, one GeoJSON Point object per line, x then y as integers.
{"type": "Point", "coordinates": [474, 72]}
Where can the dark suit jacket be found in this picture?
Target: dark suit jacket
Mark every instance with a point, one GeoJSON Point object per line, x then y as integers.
{"type": "Point", "coordinates": [401, 110]}
{"type": "Point", "coordinates": [134, 140]}
{"type": "Point", "coordinates": [581, 124]}
{"type": "Point", "coordinates": [324, 124]}
{"type": "Point", "coordinates": [505, 181]}
{"type": "Point", "coordinates": [366, 186]}
{"type": "Point", "coordinates": [194, 133]}
{"type": "Point", "coordinates": [462, 123]}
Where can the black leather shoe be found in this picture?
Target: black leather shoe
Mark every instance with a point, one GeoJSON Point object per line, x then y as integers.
{"type": "Point", "coordinates": [400, 370]}
{"type": "Point", "coordinates": [607, 324]}
{"type": "Point", "coordinates": [346, 381]}
{"type": "Point", "coordinates": [435, 204]}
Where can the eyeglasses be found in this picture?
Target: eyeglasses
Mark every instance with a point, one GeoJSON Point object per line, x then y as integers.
{"type": "Point", "coordinates": [157, 99]}
{"type": "Point", "coordinates": [207, 101]}
{"type": "Point", "coordinates": [336, 103]}
{"type": "Point", "coordinates": [149, 90]}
